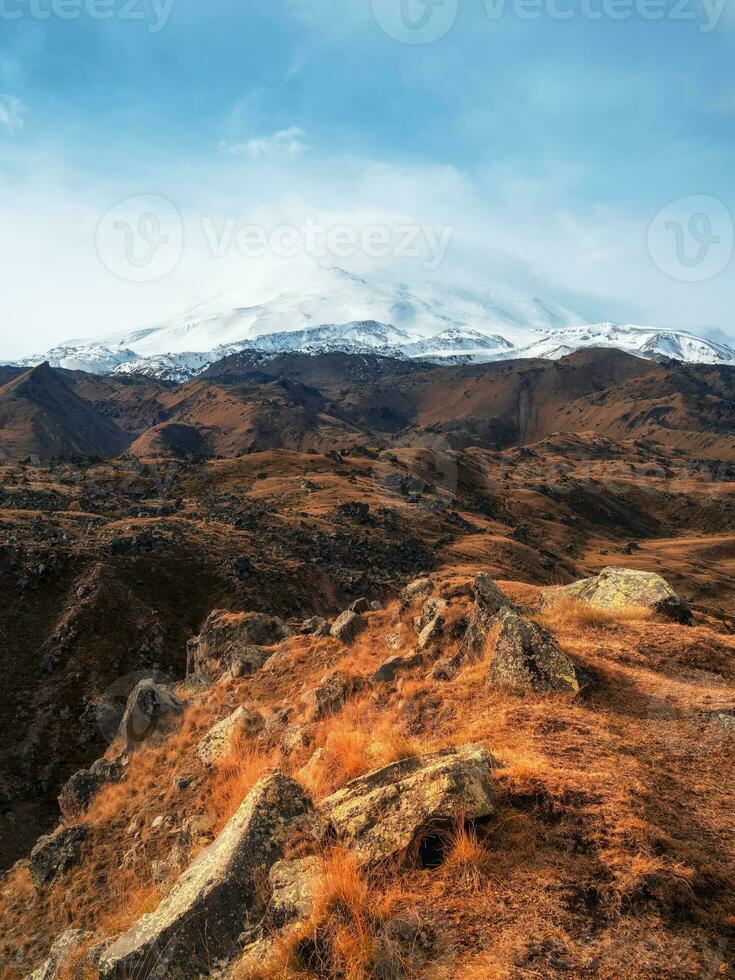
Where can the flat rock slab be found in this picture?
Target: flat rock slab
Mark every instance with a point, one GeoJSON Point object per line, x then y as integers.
{"type": "Point", "coordinates": [219, 895]}
{"type": "Point", "coordinates": [615, 588]}
{"type": "Point", "coordinates": [381, 814]}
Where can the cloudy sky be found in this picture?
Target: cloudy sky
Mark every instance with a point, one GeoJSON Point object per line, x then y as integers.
{"type": "Point", "coordinates": [550, 136]}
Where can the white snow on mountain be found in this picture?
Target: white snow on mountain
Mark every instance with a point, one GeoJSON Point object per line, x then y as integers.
{"type": "Point", "coordinates": [648, 342]}
{"type": "Point", "coordinates": [320, 309]}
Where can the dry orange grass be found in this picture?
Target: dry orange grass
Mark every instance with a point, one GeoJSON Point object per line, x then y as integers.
{"type": "Point", "coordinates": [568, 613]}
{"type": "Point", "coordinates": [351, 743]}
{"type": "Point", "coordinates": [234, 777]}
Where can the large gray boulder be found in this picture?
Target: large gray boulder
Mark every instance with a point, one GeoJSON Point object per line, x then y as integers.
{"type": "Point", "coordinates": [390, 668]}
{"type": "Point", "coordinates": [528, 658]}
{"type": "Point", "coordinates": [615, 588]}
{"type": "Point", "coordinates": [81, 788]}
{"type": "Point", "coordinates": [220, 895]}
{"type": "Point", "coordinates": [489, 600]}
{"type": "Point", "coordinates": [59, 954]}
{"type": "Point", "coordinates": [225, 638]}
{"type": "Point", "coordinates": [382, 813]}
{"type": "Point", "coordinates": [56, 854]}
{"type": "Point", "coordinates": [151, 709]}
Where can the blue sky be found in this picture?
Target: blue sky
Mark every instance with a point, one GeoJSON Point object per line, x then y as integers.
{"type": "Point", "coordinates": [549, 145]}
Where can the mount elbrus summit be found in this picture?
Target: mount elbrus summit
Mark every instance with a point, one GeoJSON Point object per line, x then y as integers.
{"type": "Point", "coordinates": [368, 632]}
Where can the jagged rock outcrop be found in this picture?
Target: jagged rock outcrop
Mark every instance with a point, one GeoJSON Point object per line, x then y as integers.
{"type": "Point", "coordinates": [347, 626]}
{"type": "Point", "coordinates": [56, 854]}
{"type": "Point", "coordinates": [315, 626]}
{"type": "Point", "coordinates": [431, 634]}
{"type": "Point", "coordinates": [220, 896]}
{"type": "Point", "coordinates": [381, 814]}
{"type": "Point", "coordinates": [59, 955]}
{"type": "Point", "coordinates": [615, 588]}
{"type": "Point", "coordinates": [222, 739]}
{"type": "Point", "coordinates": [151, 708]}
{"type": "Point", "coordinates": [489, 600]}
{"type": "Point", "coordinates": [81, 788]}
{"type": "Point", "coordinates": [360, 605]}
{"type": "Point", "coordinates": [330, 695]}
{"type": "Point", "coordinates": [227, 639]}
{"type": "Point", "coordinates": [528, 658]}
{"type": "Point", "coordinates": [431, 609]}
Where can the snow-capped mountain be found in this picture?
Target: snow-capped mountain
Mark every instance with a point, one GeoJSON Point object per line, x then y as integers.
{"type": "Point", "coordinates": [649, 342]}
{"type": "Point", "coordinates": [320, 309]}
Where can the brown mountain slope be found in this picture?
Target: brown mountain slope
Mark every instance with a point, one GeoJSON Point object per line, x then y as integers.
{"type": "Point", "coordinates": [41, 416]}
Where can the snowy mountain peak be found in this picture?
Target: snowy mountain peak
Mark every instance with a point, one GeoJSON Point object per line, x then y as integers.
{"type": "Point", "coordinates": [327, 308]}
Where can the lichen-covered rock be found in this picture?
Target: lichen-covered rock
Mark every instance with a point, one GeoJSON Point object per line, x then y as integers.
{"type": "Point", "coordinates": [528, 658]}
{"type": "Point", "coordinates": [615, 588]}
{"type": "Point", "coordinates": [382, 813]}
{"type": "Point", "coordinates": [489, 600]}
{"type": "Point", "coordinates": [294, 738]}
{"type": "Point", "coordinates": [347, 625]}
{"type": "Point", "coordinates": [81, 788]}
{"type": "Point", "coordinates": [151, 708]}
{"type": "Point", "coordinates": [56, 854]}
{"type": "Point", "coordinates": [59, 955]}
{"type": "Point", "coordinates": [222, 739]}
{"type": "Point", "coordinates": [220, 895]}
{"type": "Point", "coordinates": [393, 666]}
{"type": "Point", "coordinates": [330, 695]}
{"type": "Point", "coordinates": [294, 888]}
{"type": "Point", "coordinates": [225, 635]}
{"type": "Point", "coordinates": [420, 588]}
{"type": "Point", "coordinates": [360, 605]}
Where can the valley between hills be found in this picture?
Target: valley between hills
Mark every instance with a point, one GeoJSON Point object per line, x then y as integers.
{"type": "Point", "coordinates": [299, 679]}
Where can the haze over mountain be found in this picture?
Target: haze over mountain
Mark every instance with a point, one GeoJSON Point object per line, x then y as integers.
{"type": "Point", "coordinates": [319, 309]}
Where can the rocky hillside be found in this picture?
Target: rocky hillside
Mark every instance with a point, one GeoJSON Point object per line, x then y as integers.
{"type": "Point", "coordinates": [253, 402]}
{"type": "Point", "coordinates": [477, 779]}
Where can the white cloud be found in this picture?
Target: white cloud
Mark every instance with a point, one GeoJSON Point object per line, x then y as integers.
{"type": "Point", "coordinates": [285, 144]}
{"type": "Point", "coordinates": [11, 113]}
